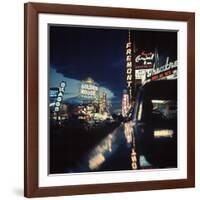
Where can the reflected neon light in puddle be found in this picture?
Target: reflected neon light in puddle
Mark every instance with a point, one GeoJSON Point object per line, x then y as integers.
{"type": "Point", "coordinates": [163, 133]}
{"type": "Point", "coordinates": [128, 131]}
{"type": "Point", "coordinates": [95, 162]}
{"type": "Point", "coordinates": [98, 158]}
{"type": "Point", "coordinates": [133, 159]}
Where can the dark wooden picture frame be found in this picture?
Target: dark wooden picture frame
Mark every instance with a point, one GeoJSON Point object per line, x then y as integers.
{"type": "Point", "coordinates": [31, 108]}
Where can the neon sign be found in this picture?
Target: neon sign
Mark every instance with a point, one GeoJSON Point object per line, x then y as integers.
{"type": "Point", "coordinates": [169, 69]}
{"type": "Point", "coordinates": [89, 89]}
{"type": "Point", "coordinates": [129, 70]}
{"type": "Point", "coordinates": [60, 96]}
{"type": "Point", "coordinates": [144, 60]}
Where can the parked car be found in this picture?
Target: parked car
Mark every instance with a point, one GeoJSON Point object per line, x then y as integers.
{"type": "Point", "coordinates": [155, 124]}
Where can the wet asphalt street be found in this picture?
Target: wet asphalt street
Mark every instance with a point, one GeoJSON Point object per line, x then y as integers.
{"type": "Point", "coordinates": [114, 152]}
{"type": "Point", "coordinates": [76, 151]}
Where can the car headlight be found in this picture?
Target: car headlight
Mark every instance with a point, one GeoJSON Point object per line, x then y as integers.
{"type": "Point", "coordinates": [164, 133]}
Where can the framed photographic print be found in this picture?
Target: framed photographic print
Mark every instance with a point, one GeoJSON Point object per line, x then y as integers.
{"type": "Point", "coordinates": [109, 99]}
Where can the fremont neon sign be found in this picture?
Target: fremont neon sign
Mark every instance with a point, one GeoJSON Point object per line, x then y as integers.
{"type": "Point", "coordinates": [129, 69]}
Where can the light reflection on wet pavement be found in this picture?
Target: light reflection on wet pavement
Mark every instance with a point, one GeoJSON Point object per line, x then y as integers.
{"type": "Point", "coordinates": [115, 152]}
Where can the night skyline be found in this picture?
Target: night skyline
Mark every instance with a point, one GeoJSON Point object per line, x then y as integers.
{"type": "Point", "coordinates": [77, 53]}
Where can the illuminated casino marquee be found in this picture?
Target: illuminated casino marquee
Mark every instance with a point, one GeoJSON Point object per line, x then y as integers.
{"type": "Point", "coordinates": [144, 62]}
{"type": "Point", "coordinates": [167, 71]}
{"type": "Point", "coordinates": [53, 93]}
{"type": "Point", "coordinates": [89, 89]}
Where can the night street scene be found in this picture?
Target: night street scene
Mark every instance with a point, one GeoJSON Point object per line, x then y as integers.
{"type": "Point", "coordinates": [112, 99]}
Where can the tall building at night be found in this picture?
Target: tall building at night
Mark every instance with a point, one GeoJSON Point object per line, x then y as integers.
{"type": "Point", "coordinates": [103, 103]}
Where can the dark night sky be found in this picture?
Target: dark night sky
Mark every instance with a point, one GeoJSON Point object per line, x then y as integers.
{"type": "Point", "coordinates": [79, 53]}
